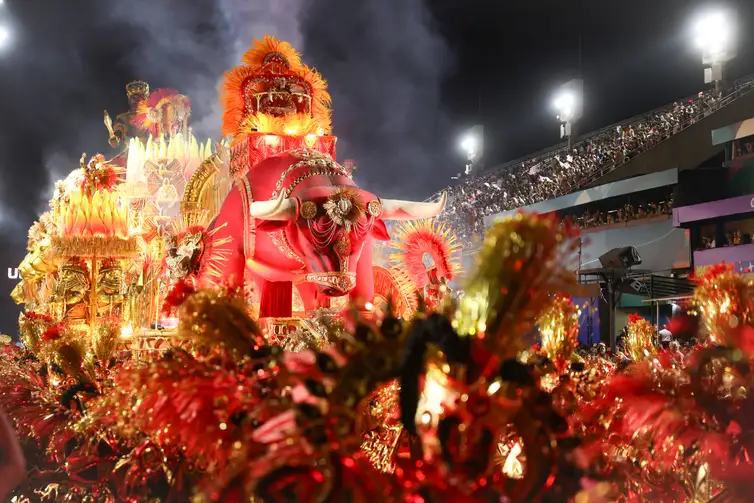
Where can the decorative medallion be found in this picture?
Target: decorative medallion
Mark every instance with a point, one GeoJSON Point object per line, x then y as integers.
{"type": "Point", "coordinates": [308, 210]}
{"type": "Point", "coordinates": [374, 207]}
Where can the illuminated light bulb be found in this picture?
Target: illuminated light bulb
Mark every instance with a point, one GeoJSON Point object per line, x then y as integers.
{"type": "Point", "coordinates": [426, 418]}
{"type": "Point", "coordinates": [369, 306]}
{"type": "Point", "coordinates": [126, 332]}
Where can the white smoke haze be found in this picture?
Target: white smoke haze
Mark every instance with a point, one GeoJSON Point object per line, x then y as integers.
{"type": "Point", "coordinates": [191, 44]}
{"type": "Point", "coordinates": [249, 20]}
{"type": "Point", "coordinates": [385, 64]}
{"type": "Point", "coordinates": [382, 59]}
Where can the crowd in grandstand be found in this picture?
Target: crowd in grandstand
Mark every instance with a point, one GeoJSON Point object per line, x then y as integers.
{"type": "Point", "coordinates": [626, 213]}
{"type": "Point", "coordinates": [731, 238]}
{"type": "Point", "coordinates": [561, 172]}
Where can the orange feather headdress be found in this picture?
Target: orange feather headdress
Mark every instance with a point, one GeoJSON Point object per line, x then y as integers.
{"type": "Point", "coordinates": [273, 92]}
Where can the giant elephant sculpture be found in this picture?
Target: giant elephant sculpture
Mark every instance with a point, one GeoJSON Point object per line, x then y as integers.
{"type": "Point", "coordinates": [298, 219]}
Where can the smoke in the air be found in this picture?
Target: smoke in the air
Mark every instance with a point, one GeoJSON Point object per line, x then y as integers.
{"type": "Point", "coordinates": [385, 63]}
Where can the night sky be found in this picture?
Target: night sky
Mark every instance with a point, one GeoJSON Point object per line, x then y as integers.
{"type": "Point", "coordinates": [407, 78]}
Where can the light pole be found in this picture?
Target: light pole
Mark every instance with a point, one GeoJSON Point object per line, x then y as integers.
{"type": "Point", "coordinates": [714, 35]}
{"type": "Point", "coordinates": [569, 103]}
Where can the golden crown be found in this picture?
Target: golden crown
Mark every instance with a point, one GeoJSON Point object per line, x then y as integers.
{"type": "Point", "coordinates": [137, 87]}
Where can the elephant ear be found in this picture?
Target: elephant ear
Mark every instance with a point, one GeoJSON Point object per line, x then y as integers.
{"type": "Point", "coordinates": [271, 225]}
{"type": "Point", "coordinates": [379, 231]}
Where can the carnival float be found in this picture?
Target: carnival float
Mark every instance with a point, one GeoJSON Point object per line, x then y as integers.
{"type": "Point", "coordinates": [238, 321]}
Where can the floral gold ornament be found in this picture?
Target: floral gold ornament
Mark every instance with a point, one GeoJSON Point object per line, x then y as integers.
{"type": "Point", "coordinates": [221, 314]}
{"type": "Point", "coordinates": [344, 208]}
{"type": "Point", "coordinates": [106, 338]}
{"type": "Point", "coordinates": [66, 347]}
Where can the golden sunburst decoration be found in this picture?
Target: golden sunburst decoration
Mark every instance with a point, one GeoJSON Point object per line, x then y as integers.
{"type": "Point", "coordinates": [413, 240]}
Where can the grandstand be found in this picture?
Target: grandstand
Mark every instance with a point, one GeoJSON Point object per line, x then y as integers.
{"type": "Point", "coordinates": [675, 136]}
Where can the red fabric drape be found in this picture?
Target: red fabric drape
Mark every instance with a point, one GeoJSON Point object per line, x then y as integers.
{"type": "Point", "coordinates": [276, 299]}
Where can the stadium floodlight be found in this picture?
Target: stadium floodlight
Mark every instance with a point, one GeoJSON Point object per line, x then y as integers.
{"type": "Point", "coordinates": [568, 102]}
{"type": "Point", "coordinates": [565, 104]}
{"type": "Point", "coordinates": [472, 144]}
{"type": "Point", "coordinates": [714, 34]}
{"type": "Point", "coordinates": [5, 37]}
{"type": "Point", "coordinates": [469, 144]}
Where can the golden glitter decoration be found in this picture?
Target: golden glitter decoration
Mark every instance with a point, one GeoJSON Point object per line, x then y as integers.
{"type": "Point", "coordinates": [639, 343]}
{"type": "Point", "coordinates": [100, 246]}
{"type": "Point", "coordinates": [210, 318]}
{"type": "Point", "coordinates": [69, 351]}
{"type": "Point", "coordinates": [383, 427]}
{"type": "Point", "coordinates": [308, 210]}
{"type": "Point", "coordinates": [523, 261]}
{"type": "Point", "coordinates": [105, 338]}
{"type": "Point", "coordinates": [31, 329]}
{"type": "Point", "coordinates": [5, 339]}
{"type": "Point", "coordinates": [725, 301]}
{"type": "Point", "coordinates": [559, 329]}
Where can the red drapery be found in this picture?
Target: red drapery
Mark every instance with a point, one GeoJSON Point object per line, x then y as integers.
{"type": "Point", "coordinates": [277, 299]}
